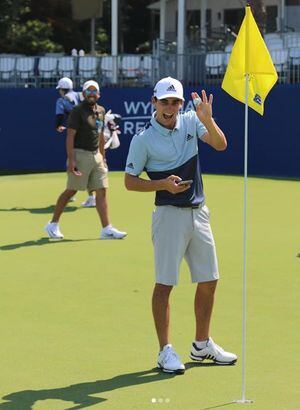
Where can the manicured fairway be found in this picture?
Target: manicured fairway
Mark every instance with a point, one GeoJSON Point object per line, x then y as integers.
{"type": "Point", "coordinates": [76, 323]}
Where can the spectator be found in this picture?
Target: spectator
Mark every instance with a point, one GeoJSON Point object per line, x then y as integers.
{"type": "Point", "coordinates": [86, 169]}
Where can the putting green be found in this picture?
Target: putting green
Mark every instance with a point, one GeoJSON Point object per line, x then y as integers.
{"type": "Point", "coordinates": [76, 323]}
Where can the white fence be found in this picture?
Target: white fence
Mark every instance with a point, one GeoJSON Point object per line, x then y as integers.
{"type": "Point", "coordinates": [137, 70]}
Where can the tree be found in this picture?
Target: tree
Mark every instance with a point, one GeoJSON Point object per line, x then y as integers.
{"type": "Point", "coordinates": [20, 33]}
{"type": "Point", "coordinates": [32, 38]}
{"type": "Point", "coordinates": [11, 12]}
{"type": "Point", "coordinates": [36, 26]}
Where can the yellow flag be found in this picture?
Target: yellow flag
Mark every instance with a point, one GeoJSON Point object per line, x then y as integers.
{"type": "Point", "coordinates": [250, 56]}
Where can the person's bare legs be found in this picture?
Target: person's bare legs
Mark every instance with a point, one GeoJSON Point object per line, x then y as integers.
{"type": "Point", "coordinates": [161, 312]}
{"type": "Point", "coordinates": [61, 203]}
{"type": "Point", "coordinates": [204, 301]}
{"type": "Point", "coordinates": [102, 206]}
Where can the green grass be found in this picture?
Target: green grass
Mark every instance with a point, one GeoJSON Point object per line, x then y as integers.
{"type": "Point", "coordinates": [76, 323]}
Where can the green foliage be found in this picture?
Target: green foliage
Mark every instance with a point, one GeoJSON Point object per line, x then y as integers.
{"type": "Point", "coordinates": [33, 37]}
{"type": "Point", "coordinates": [11, 11]}
{"type": "Point", "coordinates": [102, 40]}
{"type": "Point", "coordinates": [35, 26]}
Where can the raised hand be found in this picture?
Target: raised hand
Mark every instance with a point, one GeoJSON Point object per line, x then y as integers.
{"type": "Point", "coordinates": [203, 105]}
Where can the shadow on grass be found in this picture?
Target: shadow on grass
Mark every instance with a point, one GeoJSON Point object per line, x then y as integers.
{"type": "Point", "coordinates": [298, 256]}
{"type": "Point", "coordinates": [40, 242]}
{"type": "Point", "coordinates": [218, 406]}
{"type": "Point", "coordinates": [46, 210]}
{"type": "Point", "coordinates": [190, 365]}
{"type": "Point", "coordinates": [80, 394]}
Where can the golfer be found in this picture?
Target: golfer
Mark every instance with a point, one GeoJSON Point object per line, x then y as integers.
{"type": "Point", "coordinates": [167, 148]}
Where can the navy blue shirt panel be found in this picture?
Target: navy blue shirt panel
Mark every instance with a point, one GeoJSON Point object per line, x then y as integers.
{"type": "Point", "coordinates": [192, 196]}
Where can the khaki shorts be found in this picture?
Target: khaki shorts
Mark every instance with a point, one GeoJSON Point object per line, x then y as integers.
{"type": "Point", "coordinates": [94, 173]}
{"type": "Point", "coordinates": [179, 233]}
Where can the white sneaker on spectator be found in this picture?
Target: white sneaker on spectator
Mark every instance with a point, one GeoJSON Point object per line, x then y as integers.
{"type": "Point", "coordinates": [52, 229]}
{"type": "Point", "coordinates": [90, 202]}
{"type": "Point", "coordinates": [212, 352]}
{"type": "Point", "coordinates": [109, 232]}
{"type": "Point", "coordinates": [168, 360]}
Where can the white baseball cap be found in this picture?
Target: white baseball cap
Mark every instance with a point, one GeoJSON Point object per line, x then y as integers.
{"type": "Point", "coordinates": [90, 83]}
{"type": "Point", "coordinates": [65, 83]}
{"type": "Point", "coordinates": [168, 88]}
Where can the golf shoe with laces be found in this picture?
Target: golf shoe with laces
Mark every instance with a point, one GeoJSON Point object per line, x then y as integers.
{"type": "Point", "coordinates": [52, 229]}
{"type": "Point", "coordinates": [212, 352]}
{"type": "Point", "coordinates": [109, 232]}
{"type": "Point", "coordinates": [168, 361]}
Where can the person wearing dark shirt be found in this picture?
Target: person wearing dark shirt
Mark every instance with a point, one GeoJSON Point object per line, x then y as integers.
{"type": "Point", "coordinates": [85, 165]}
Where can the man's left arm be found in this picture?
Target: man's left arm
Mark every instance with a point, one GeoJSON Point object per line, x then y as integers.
{"type": "Point", "coordinates": [214, 136]}
{"type": "Point", "coordinates": [101, 137]}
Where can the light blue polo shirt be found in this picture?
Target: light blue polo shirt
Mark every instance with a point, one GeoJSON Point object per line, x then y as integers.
{"type": "Point", "coordinates": [162, 152]}
{"type": "Point", "coordinates": [64, 105]}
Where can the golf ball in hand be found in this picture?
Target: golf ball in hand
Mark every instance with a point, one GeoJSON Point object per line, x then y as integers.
{"type": "Point", "coordinates": [197, 101]}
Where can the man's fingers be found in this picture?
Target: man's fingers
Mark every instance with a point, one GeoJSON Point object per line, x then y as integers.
{"type": "Point", "coordinates": [174, 178]}
{"type": "Point", "coordinates": [76, 172]}
{"type": "Point", "coordinates": [204, 96]}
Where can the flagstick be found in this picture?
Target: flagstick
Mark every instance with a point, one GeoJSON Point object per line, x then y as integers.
{"type": "Point", "coordinates": [243, 400]}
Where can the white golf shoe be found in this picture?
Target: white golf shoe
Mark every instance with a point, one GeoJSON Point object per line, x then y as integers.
{"type": "Point", "coordinates": [168, 360]}
{"type": "Point", "coordinates": [109, 232]}
{"type": "Point", "coordinates": [52, 229]}
{"type": "Point", "coordinates": [212, 352]}
{"type": "Point", "coordinates": [90, 202]}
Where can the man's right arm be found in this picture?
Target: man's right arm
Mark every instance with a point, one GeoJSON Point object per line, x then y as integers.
{"type": "Point", "coordinates": [70, 151]}
{"type": "Point", "coordinates": [59, 115]}
{"type": "Point", "coordinates": [135, 183]}
{"type": "Point", "coordinates": [136, 161]}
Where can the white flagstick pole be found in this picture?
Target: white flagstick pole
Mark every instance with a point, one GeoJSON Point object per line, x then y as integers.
{"type": "Point", "coordinates": [243, 400]}
{"type": "Point", "coordinates": [244, 331]}
{"type": "Point", "coordinates": [244, 327]}
{"type": "Point", "coordinates": [244, 319]}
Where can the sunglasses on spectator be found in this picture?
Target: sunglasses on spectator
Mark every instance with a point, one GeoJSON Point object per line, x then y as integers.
{"type": "Point", "coordinates": [91, 92]}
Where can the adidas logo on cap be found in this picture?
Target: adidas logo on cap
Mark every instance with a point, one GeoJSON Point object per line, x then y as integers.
{"type": "Point", "coordinates": [171, 88]}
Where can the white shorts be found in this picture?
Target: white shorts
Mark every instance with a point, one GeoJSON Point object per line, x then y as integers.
{"type": "Point", "coordinates": [183, 232]}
